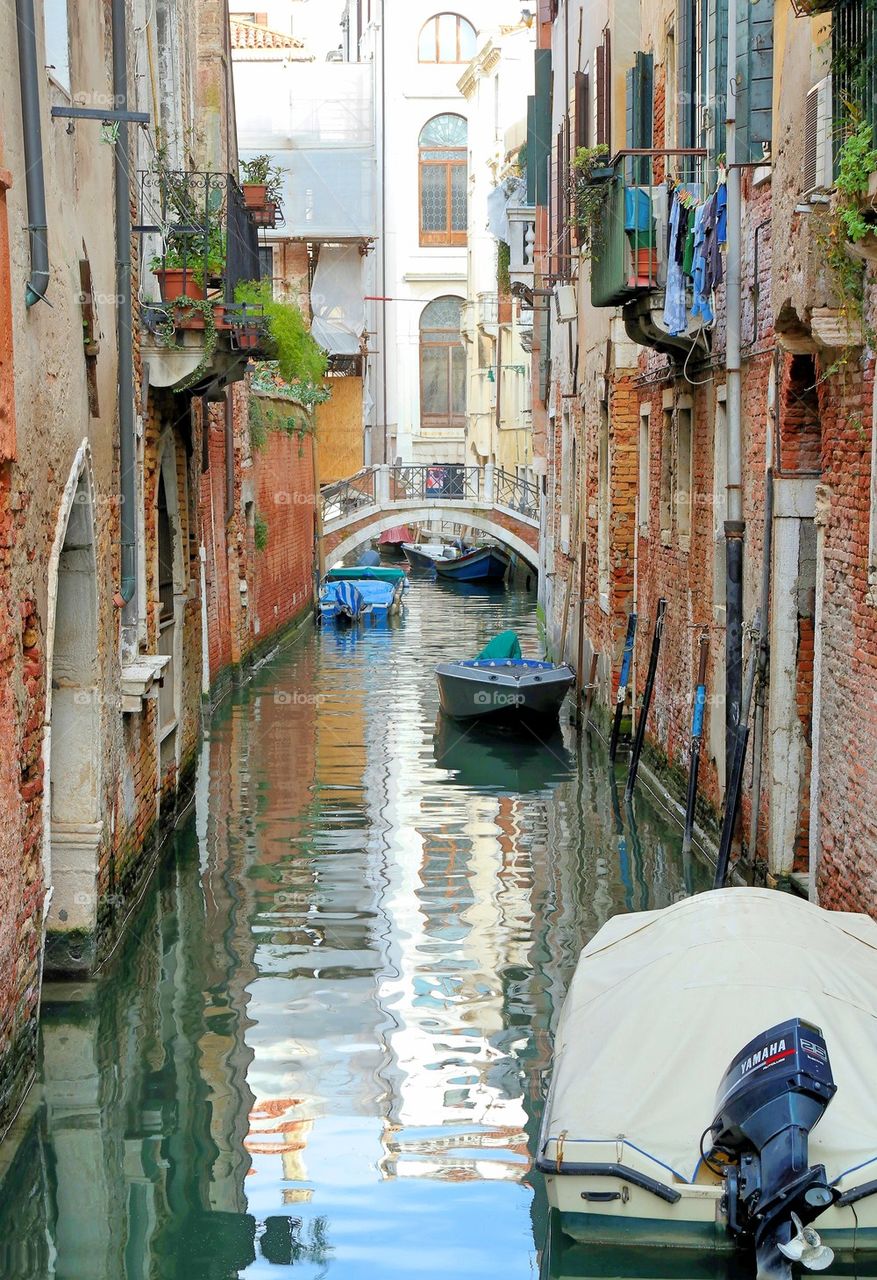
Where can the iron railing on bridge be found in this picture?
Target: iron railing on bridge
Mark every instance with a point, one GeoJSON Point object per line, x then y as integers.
{"type": "Point", "coordinates": [446, 482]}
{"type": "Point", "coordinates": [344, 497]}
{"type": "Point", "coordinates": [522, 495]}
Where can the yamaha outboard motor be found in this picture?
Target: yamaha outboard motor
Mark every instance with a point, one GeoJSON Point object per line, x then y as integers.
{"type": "Point", "coordinates": [772, 1095]}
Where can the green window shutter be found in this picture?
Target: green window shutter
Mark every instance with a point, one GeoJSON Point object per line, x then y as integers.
{"type": "Point", "coordinates": [639, 82]}
{"type": "Point", "coordinates": [542, 140]}
{"type": "Point", "coordinates": [754, 77]}
{"type": "Point", "coordinates": [715, 70]}
{"type": "Point", "coordinates": [531, 150]}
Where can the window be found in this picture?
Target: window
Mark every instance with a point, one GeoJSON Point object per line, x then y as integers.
{"type": "Point", "coordinates": [266, 264]}
{"type": "Point", "coordinates": [603, 508]}
{"type": "Point", "coordinates": [664, 505]}
{"type": "Point", "coordinates": [57, 41]}
{"type": "Point", "coordinates": [643, 476]}
{"type": "Point", "coordinates": [442, 365]}
{"type": "Point", "coordinates": [443, 176]}
{"type": "Point", "coordinates": [682, 496]}
{"type": "Point", "coordinates": [720, 503]}
{"type": "Point", "coordinates": [446, 38]}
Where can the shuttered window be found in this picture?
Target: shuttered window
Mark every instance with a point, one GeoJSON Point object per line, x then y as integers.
{"type": "Point", "coordinates": [640, 114]}
{"type": "Point", "coordinates": [603, 91]}
{"type": "Point", "coordinates": [754, 78]}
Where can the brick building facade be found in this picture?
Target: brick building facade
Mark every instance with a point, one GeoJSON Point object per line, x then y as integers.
{"type": "Point", "coordinates": [635, 447]}
{"type": "Point", "coordinates": [104, 669]}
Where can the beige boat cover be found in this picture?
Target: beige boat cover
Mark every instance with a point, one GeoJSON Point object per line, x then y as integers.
{"type": "Point", "coordinates": [661, 1002]}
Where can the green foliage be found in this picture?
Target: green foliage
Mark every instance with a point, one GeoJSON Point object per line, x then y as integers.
{"type": "Point", "coordinates": [503, 258]}
{"type": "Point", "coordinates": [260, 532]}
{"type": "Point", "coordinates": [194, 251]}
{"type": "Point", "coordinates": [522, 159]}
{"type": "Point", "coordinates": [271, 415]}
{"type": "Point", "coordinates": [591, 189]}
{"type": "Point", "coordinates": [299, 358]}
{"type": "Point", "coordinates": [263, 173]}
{"type": "Point", "coordinates": [856, 162]}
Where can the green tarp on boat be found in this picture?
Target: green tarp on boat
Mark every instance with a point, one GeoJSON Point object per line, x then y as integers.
{"type": "Point", "coordinates": [505, 645]}
{"type": "Point", "coordinates": [381, 573]}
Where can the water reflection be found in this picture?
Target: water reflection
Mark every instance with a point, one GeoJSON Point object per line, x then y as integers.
{"type": "Point", "coordinates": [324, 1044]}
{"type": "Point", "coordinates": [501, 759]}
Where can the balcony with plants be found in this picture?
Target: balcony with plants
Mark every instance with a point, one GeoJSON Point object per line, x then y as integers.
{"type": "Point", "coordinates": [205, 312]}
{"type": "Point", "coordinates": [622, 206]}
{"type": "Point", "coordinates": [262, 185]}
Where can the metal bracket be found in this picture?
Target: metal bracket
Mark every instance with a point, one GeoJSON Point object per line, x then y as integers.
{"type": "Point", "coordinates": [100, 113]}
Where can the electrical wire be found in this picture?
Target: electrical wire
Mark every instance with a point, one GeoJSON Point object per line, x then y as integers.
{"type": "Point", "coordinates": [720, 1173]}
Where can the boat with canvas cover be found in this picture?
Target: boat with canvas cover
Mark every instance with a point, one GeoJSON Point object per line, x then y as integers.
{"type": "Point", "coordinates": [354, 594]}
{"type": "Point", "coordinates": [501, 684]}
{"type": "Point", "coordinates": [390, 541]}
{"type": "Point", "coordinates": [713, 1082]}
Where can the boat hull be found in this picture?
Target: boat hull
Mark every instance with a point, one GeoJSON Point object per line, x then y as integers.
{"type": "Point", "coordinates": [488, 564]}
{"type": "Point", "coordinates": [512, 690]}
{"type": "Point", "coordinates": [422, 555]}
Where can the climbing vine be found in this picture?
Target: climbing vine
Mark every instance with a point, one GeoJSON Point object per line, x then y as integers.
{"type": "Point", "coordinates": [590, 189]}
{"type": "Point", "coordinates": [184, 309]}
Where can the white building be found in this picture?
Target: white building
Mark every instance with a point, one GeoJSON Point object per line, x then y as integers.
{"type": "Point", "coordinates": [416, 400]}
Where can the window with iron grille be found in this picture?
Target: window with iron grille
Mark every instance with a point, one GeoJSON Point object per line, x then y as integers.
{"type": "Point", "coordinates": [854, 59]}
{"type": "Point", "coordinates": [443, 181]}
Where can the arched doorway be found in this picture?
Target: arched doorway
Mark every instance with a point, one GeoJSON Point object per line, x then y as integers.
{"type": "Point", "coordinates": [72, 755]}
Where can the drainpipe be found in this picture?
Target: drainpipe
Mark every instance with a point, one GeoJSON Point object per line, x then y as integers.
{"type": "Point", "coordinates": [29, 77]}
{"type": "Point", "coordinates": [124, 321]}
{"type": "Point", "coordinates": [735, 526]}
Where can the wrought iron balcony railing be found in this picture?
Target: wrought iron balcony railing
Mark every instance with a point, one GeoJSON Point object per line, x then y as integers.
{"type": "Point", "coordinates": [197, 238]}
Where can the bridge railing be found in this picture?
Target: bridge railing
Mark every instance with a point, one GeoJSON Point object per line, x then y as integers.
{"type": "Point", "coordinates": [444, 480]}
{"type": "Point", "coordinates": [345, 497]}
{"type": "Point", "coordinates": [510, 490]}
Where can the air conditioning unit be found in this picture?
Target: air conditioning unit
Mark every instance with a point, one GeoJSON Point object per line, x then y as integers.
{"type": "Point", "coordinates": [818, 152]}
{"type": "Point", "coordinates": [565, 305]}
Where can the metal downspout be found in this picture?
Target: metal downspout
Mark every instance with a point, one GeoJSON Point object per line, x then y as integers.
{"type": "Point", "coordinates": [31, 124]}
{"type": "Point", "coordinates": [735, 526]}
{"type": "Point", "coordinates": [124, 322]}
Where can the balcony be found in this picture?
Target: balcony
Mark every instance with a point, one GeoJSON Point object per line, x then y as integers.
{"type": "Point", "coordinates": [629, 242]}
{"type": "Point", "coordinates": [522, 241]}
{"type": "Point", "coordinates": [198, 242]}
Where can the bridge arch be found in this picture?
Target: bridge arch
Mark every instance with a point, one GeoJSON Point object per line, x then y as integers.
{"type": "Point", "coordinates": [372, 526]}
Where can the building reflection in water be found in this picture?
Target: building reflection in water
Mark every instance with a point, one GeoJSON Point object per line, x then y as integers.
{"type": "Point", "coordinates": [324, 1044]}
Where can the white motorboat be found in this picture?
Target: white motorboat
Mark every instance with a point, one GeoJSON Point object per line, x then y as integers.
{"type": "Point", "coordinates": [714, 1082]}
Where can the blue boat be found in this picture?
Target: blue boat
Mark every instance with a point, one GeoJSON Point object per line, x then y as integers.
{"type": "Point", "coordinates": [483, 564]}
{"type": "Point", "coordinates": [361, 593]}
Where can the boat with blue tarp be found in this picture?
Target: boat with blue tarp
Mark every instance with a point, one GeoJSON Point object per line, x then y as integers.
{"type": "Point", "coordinates": [500, 684]}
{"type": "Point", "coordinates": [352, 595]}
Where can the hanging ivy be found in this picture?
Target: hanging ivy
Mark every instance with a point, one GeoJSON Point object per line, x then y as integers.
{"type": "Point", "coordinates": [268, 414]}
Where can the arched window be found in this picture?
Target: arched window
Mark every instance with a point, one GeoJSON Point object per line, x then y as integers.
{"type": "Point", "coordinates": [442, 365]}
{"type": "Point", "coordinates": [443, 210]}
{"type": "Point", "coordinates": [446, 38]}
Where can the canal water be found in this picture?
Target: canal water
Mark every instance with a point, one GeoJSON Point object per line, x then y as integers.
{"type": "Point", "coordinates": [322, 1050]}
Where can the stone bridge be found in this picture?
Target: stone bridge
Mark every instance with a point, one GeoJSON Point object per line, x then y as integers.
{"type": "Point", "coordinates": [495, 502]}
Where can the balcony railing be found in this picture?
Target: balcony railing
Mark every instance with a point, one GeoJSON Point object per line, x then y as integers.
{"type": "Point", "coordinates": [629, 237]}
{"type": "Point", "coordinates": [195, 226]}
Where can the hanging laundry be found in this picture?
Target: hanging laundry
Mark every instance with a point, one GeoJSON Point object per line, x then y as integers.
{"type": "Point", "coordinates": [713, 213]}
{"type": "Point", "coordinates": [701, 307]}
{"type": "Point", "coordinates": [688, 251]}
{"type": "Point", "coordinates": [674, 318]}
{"type": "Point", "coordinates": [722, 218]}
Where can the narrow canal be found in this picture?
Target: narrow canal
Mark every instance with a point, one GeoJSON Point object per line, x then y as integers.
{"type": "Point", "coordinates": [322, 1050]}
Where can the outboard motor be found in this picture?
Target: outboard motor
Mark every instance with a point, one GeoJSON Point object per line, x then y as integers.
{"type": "Point", "coordinates": [772, 1095]}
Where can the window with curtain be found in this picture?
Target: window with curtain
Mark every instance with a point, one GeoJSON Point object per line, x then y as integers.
{"type": "Point", "coordinates": [446, 38]}
{"type": "Point", "coordinates": [443, 179]}
{"type": "Point", "coordinates": [442, 364]}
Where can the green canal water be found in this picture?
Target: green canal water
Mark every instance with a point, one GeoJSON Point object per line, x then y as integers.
{"type": "Point", "coordinates": [322, 1050]}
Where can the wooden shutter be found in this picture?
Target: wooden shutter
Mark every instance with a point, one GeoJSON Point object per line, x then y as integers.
{"type": "Point", "coordinates": [755, 78]}
{"type": "Point", "coordinates": [603, 92]}
{"type": "Point", "coordinates": [582, 105]}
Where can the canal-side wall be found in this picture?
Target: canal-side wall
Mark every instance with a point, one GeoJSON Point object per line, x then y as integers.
{"type": "Point", "coordinates": [259, 561]}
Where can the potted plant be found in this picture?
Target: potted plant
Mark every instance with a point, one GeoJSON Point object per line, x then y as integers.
{"type": "Point", "coordinates": [262, 184]}
{"type": "Point", "coordinates": [298, 356]}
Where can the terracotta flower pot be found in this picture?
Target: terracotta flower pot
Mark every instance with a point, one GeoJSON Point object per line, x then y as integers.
{"type": "Point", "coordinates": [645, 264]}
{"type": "Point", "coordinates": [187, 318]}
{"type": "Point", "coordinates": [255, 195]}
{"type": "Point", "coordinates": [247, 339]}
{"type": "Point", "coordinates": [178, 282]}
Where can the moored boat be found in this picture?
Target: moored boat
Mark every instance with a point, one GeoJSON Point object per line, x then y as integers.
{"type": "Point", "coordinates": [353, 594]}
{"type": "Point", "coordinates": [481, 564]}
{"type": "Point", "coordinates": [757, 994]}
{"type": "Point", "coordinates": [390, 542]}
{"type": "Point", "coordinates": [423, 555]}
{"type": "Point", "coordinates": [501, 685]}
